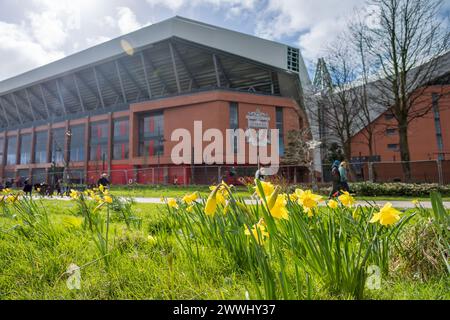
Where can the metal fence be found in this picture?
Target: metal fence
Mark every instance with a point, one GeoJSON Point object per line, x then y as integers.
{"type": "Point", "coordinates": [426, 171]}
{"type": "Point", "coordinates": [429, 171]}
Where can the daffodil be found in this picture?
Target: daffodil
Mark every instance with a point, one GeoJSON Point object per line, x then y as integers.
{"type": "Point", "coordinates": [172, 203]}
{"type": "Point", "coordinates": [101, 188]}
{"type": "Point", "coordinates": [293, 197]}
{"type": "Point", "coordinates": [258, 231]}
{"type": "Point", "coordinates": [74, 194]}
{"type": "Point", "coordinates": [211, 202]}
{"type": "Point", "coordinates": [332, 204]}
{"type": "Point", "coordinates": [189, 198]}
{"type": "Point", "coordinates": [279, 210]}
{"type": "Point", "coordinates": [107, 199]}
{"type": "Point", "coordinates": [190, 209]}
{"type": "Point", "coordinates": [307, 199]}
{"type": "Point", "coordinates": [346, 199]}
{"type": "Point", "coordinates": [12, 198]}
{"type": "Point", "coordinates": [267, 187]}
{"type": "Point", "coordinates": [415, 202]}
{"type": "Point", "coordinates": [387, 215]}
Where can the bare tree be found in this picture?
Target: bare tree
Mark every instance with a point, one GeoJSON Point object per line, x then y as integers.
{"type": "Point", "coordinates": [334, 107]}
{"type": "Point", "coordinates": [406, 43]}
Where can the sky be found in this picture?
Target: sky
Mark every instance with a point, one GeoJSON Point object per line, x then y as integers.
{"type": "Point", "coordinates": [36, 32]}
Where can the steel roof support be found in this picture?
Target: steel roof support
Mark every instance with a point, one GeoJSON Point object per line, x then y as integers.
{"type": "Point", "coordinates": [164, 82]}
{"type": "Point", "coordinates": [141, 54]}
{"type": "Point", "coordinates": [29, 103]}
{"type": "Point", "coordinates": [174, 65]}
{"type": "Point", "coordinates": [4, 113]}
{"type": "Point", "coordinates": [17, 108]}
{"type": "Point", "coordinates": [120, 81]}
{"type": "Point", "coordinates": [45, 101]}
{"type": "Point", "coordinates": [216, 70]}
{"type": "Point", "coordinates": [221, 69]}
{"type": "Point", "coordinates": [83, 81]}
{"type": "Point", "coordinates": [185, 66]}
{"type": "Point", "coordinates": [74, 78]}
{"type": "Point", "coordinates": [73, 94]}
{"type": "Point", "coordinates": [98, 87]}
{"type": "Point", "coordinates": [61, 98]}
{"type": "Point", "coordinates": [135, 82]}
{"type": "Point", "coordinates": [108, 82]}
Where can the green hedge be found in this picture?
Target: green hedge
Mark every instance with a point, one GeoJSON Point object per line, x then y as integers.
{"type": "Point", "coordinates": [390, 189]}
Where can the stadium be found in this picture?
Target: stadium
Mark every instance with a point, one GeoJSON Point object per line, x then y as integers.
{"type": "Point", "coordinates": [111, 108]}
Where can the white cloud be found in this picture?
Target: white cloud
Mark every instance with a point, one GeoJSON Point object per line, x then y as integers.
{"type": "Point", "coordinates": [175, 5]}
{"type": "Point", "coordinates": [315, 22]}
{"type": "Point", "coordinates": [127, 21]}
{"type": "Point", "coordinates": [21, 51]}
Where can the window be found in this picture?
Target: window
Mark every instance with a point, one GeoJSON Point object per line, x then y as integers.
{"type": "Point", "coordinates": [99, 141]}
{"type": "Point", "coordinates": [77, 143]}
{"type": "Point", "coordinates": [151, 134]}
{"type": "Point", "coordinates": [388, 115]}
{"type": "Point", "coordinates": [58, 145]}
{"type": "Point", "coordinates": [234, 123]}
{"type": "Point", "coordinates": [38, 176]}
{"type": "Point", "coordinates": [25, 148]}
{"type": "Point", "coordinates": [2, 144]}
{"type": "Point", "coordinates": [40, 147]}
{"type": "Point", "coordinates": [293, 58]}
{"type": "Point", "coordinates": [120, 139]}
{"type": "Point", "coordinates": [391, 131]}
{"type": "Point", "coordinates": [393, 146]}
{"type": "Point", "coordinates": [11, 150]}
{"type": "Point", "coordinates": [279, 125]}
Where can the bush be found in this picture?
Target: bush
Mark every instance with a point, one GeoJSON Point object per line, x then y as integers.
{"type": "Point", "coordinates": [387, 189]}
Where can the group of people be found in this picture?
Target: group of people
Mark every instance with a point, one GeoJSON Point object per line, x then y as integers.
{"type": "Point", "coordinates": [339, 176]}
{"type": "Point", "coordinates": [59, 187]}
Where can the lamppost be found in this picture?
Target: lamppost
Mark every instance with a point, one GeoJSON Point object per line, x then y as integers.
{"type": "Point", "coordinates": [312, 145]}
{"type": "Point", "coordinates": [161, 141]}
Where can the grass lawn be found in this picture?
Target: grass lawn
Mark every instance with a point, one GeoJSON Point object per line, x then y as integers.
{"type": "Point", "coordinates": [145, 262]}
{"type": "Point", "coordinates": [180, 191]}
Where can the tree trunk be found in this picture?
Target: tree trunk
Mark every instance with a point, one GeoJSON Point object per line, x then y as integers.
{"type": "Point", "coordinates": [404, 148]}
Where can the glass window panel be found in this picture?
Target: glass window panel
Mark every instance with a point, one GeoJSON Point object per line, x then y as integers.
{"type": "Point", "coordinates": [25, 148]}
{"type": "Point", "coordinates": [40, 147]}
{"type": "Point", "coordinates": [120, 139]}
{"type": "Point", "coordinates": [77, 143]}
{"type": "Point", "coordinates": [99, 141]}
{"type": "Point", "coordinates": [58, 145]}
{"type": "Point", "coordinates": [11, 151]}
{"type": "Point", "coordinates": [151, 134]}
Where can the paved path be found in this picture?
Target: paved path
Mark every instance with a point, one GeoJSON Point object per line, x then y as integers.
{"type": "Point", "coordinates": [395, 203]}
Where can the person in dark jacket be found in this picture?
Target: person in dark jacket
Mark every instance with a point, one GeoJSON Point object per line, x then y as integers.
{"type": "Point", "coordinates": [27, 188]}
{"type": "Point", "coordinates": [103, 181]}
{"type": "Point", "coordinates": [336, 179]}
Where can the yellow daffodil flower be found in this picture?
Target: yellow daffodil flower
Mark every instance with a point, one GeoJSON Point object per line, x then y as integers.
{"type": "Point", "coordinates": [346, 199]}
{"type": "Point", "coordinates": [258, 231]}
{"type": "Point", "coordinates": [172, 203]}
{"type": "Point", "coordinates": [189, 198]}
{"type": "Point", "coordinates": [387, 215]}
{"type": "Point", "coordinates": [108, 199]}
{"type": "Point", "coordinates": [101, 188]}
{"type": "Point", "coordinates": [74, 194]}
{"type": "Point", "coordinates": [415, 202]}
{"type": "Point", "coordinates": [279, 210]}
{"type": "Point", "coordinates": [332, 204]}
{"type": "Point", "coordinates": [190, 209]}
{"type": "Point", "coordinates": [267, 187]}
{"type": "Point", "coordinates": [307, 199]}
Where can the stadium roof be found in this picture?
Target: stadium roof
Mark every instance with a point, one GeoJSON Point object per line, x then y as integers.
{"type": "Point", "coordinates": [175, 56]}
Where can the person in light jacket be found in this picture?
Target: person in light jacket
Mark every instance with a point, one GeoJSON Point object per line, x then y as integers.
{"type": "Point", "coordinates": [343, 170]}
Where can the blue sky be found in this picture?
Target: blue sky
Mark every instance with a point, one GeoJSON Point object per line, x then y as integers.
{"type": "Point", "coordinates": [36, 32]}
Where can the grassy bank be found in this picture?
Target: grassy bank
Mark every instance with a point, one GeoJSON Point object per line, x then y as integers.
{"type": "Point", "coordinates": [149, 260]}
